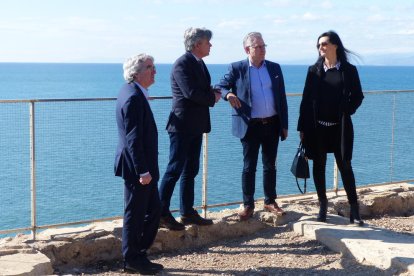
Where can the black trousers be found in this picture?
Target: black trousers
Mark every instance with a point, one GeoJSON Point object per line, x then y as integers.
{"type": "Point", "coordinates": [328, 139]}
{"type": "Point", "coordinates": [265, 136]}
{"type": "Point", "coordinates": [184, 162]}
{"type": "Point", "coordinates": [141, 219]}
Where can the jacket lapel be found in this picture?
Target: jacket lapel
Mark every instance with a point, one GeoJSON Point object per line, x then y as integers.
{"type": "Point", "coordinates": [144, 99]}
{"type": "Point", "coordinates": [200, 67]}
{"type": "Point", "coordinates": [139, 91]}
{"type": "Point", "coordinates": [246, 80]}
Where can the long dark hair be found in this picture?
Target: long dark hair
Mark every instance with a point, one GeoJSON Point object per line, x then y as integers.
{"type": "Point", "coordinates": [341, 52]}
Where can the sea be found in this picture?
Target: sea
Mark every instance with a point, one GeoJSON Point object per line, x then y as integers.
{"type": "Point", "coordinates": [75, 140]}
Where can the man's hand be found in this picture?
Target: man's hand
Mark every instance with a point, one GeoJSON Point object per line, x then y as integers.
{"type": "Point", "coordinates": [217, 94]}
{"type": "Point", "coordinates": [233, 100]}
{"type": "Point", "coordinates": [145, 179]}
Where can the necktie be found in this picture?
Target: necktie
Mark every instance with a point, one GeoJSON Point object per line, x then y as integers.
{"type": "Point", "coordinates": [200, 62]}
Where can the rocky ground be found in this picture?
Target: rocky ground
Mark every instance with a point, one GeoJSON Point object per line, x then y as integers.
{"type": "Point", "coordinates": [273, 251]}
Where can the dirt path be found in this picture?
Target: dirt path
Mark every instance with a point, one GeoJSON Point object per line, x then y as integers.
{"type": "Point", "coordinates": [273, 251]}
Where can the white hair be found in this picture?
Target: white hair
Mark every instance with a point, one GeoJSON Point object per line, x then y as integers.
{"type": "Point", "coordinates": [134, 65]}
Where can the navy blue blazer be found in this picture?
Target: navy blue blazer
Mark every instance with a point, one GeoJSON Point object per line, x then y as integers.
{"type": "Point", "coordinates": [137, 150]}
{"type": "Point", "coordinates": [237, 81]}
{"type": "Point", "coordinates": [192, 96]}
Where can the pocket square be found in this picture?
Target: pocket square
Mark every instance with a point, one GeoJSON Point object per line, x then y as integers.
{"type": "Point", "coordinates": [276, 76]}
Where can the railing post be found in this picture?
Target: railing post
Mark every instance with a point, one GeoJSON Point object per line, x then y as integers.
{"type": "Point", "coordinates": [392, 141]}
{"type": "Point", "coordinates": [205, 174]}
{"type": "Point", "coordinates": [33, 169]}
{"type": "Point", "coordinates": [335, 178]}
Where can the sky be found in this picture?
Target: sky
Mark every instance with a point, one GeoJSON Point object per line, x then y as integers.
{"type": "Point", "coordinates": [109, 31]}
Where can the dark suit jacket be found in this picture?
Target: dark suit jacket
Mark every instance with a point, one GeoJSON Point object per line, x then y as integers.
{"type": "Point", "coordinates": [351, 99]}
{"type": "Point", "coordinates": [137, 150]}
{"type": "Point", "coordinates": [192, 97]}
{"type": "Point", "coordinates": [237, 81]}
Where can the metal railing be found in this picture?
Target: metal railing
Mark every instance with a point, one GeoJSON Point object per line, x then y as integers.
{"type": "Point", "coordinates": [394, 92]}
{"type": "Point", "coordinates": [34, 227]}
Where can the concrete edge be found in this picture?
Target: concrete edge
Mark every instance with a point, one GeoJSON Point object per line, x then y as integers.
{"type": "Point", "coordinates": [382, 248]}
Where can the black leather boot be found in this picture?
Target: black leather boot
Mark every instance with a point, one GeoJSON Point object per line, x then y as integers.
{"type": "Point", "coordinates": [323, 209]}
{"type": "Point", "coordinates": [354, 215]}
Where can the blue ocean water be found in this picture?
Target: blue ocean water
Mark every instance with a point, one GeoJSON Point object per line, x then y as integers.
{"type": "Point", "coordinates": [75, 141]}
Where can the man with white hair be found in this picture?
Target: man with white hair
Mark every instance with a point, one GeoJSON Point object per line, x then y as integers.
{"type": "Point", "coordinates": [136, 162]}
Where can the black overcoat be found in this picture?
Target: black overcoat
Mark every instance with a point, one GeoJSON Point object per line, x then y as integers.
{"type": "Point", "coordinates": [351, 99]}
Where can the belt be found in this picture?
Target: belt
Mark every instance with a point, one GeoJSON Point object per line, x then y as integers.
{"type": "Point", "coordinates": [264, 121]}
{"type": "Point", "coordinates": [327, 124]}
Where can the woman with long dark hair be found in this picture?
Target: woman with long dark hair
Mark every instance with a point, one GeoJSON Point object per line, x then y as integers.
{"type": "Point", "coordinates": [331, 95]}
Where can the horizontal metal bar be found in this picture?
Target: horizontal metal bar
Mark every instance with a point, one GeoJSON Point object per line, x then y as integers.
{"type": "Point", "coordinates": [371, 92]}
{"type": "Point", "coordinates": [388, 91]}
{"type": "Point", "coordinates": [15, 230]}
{"type": "Point", "coordinates": [169, 97]}
{"type": "Point", "coordinates": [78, 222]}
{"type": "Point", "coordinates": [48, 226]}
{"type": "Point", "coordinates": [74, 100]}
{"type": "Point", "coordinates": [57, 100]}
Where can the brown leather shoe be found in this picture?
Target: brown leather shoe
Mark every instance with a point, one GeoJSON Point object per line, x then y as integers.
{"type": "Point", "coordinates": [275, 209]}
{"type": "Point", "coordinates": [246, 213]}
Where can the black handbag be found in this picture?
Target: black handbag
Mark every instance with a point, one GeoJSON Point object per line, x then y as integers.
{"type": "Point", "coordinates": [300, 167]}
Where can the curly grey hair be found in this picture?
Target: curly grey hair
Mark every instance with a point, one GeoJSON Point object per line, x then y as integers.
{"type": "Point", "coordinates": [249, 37]}
{"type": "Point", "coordinates": [134, 65]}
{"type": "Point", "coordinates": [194, 35]}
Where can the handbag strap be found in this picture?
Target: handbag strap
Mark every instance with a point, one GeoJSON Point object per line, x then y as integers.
{"type": "Point", "coordinates": [304, 186]}
{"type": "Point", "coordinates": [302, 148]}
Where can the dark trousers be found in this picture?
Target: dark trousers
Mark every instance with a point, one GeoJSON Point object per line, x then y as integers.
{"type": "Point", "coordinates": [184, 162]}
{"type": "Point", "coordinates": [266, 136]}
{"type": "Point", "coordinates": [329, 141]}
{"type": "Point", "coordinates": [141, 219]}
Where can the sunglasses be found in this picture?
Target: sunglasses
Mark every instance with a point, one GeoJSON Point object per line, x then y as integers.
{"type": "Point", "coordinates": [322, 44]}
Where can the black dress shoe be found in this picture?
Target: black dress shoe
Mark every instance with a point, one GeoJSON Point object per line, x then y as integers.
{"type": "Point", "coordinates": [169, 222]}
{"type": "Point", "coordinates": [156, 265]}
{"type": "Point", "coordinates": [147, 268]}
{"type": "Point", "coordinates": [354, 216]}
{"type": "Point", "coordinates": [323, 210]}
{"type": "Point", "coordinates": [194, 218]}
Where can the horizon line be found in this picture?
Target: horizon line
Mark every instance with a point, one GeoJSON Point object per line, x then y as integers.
{"type": "Point", "coordinates": [164, 63]}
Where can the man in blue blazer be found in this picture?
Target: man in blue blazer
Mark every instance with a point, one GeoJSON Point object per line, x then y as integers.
{"type": "Point", "coordinates": [188, 120]}
{"type": "Point", "coordinates": [136, 161]}
{"type": "Point", "coordinates": [255, 90]}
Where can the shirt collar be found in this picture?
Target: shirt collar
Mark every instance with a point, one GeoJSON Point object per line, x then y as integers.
{"type": "Point", "coordinates": [337, 66]}
{"type": "Point", "coordinates": [144, 91]}
{"type": "Point", "coordinates": [198, 59]}
{"type": "Point", "coordinates": [261, 66]}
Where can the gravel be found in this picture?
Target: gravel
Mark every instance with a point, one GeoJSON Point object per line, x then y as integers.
{"type": "Point", "coordinates": [273, 251]}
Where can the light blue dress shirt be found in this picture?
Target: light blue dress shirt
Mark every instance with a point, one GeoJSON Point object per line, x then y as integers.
{"type": "Point", "coordinates": [263, 102]}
